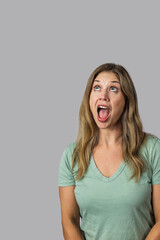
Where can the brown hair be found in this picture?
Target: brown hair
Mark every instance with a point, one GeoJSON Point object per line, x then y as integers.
{"type": "Point", "coordinates": [133, 135]}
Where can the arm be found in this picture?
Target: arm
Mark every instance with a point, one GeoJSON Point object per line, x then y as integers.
{"type": "Point", "coordinates": [154, 234]}
{"type": "Point", "coordinates": [70, 216]}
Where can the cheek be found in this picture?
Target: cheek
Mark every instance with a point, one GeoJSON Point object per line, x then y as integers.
{"type": "Point", "coordinates": [91, 102]}
{"type": "Point", "coordinates": [119, 104]}
{"type": "Point", "coordinates": [123, 102]}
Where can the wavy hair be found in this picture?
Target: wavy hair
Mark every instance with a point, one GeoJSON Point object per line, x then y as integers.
{"type": "Point", "coordinates": [132, 130]}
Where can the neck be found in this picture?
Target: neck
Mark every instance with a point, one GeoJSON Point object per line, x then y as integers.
{"type": "Point", "coordinates": [110, 137]}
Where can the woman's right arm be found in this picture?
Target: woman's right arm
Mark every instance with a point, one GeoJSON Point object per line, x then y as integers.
{"type": "Point", "coordinates": [70, 216]}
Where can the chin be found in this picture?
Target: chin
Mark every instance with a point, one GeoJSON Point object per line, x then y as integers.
{"type": "Point", "coordinates": [102, 125]}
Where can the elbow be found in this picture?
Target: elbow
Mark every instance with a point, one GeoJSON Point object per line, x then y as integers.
{"type": "Point", "coordinates": [70, 221]}
{"type": "Point", "coordinates": [71, 230]}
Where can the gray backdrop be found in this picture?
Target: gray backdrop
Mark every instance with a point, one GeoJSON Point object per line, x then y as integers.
{"type": "Point", "coordinates": [48, 50]}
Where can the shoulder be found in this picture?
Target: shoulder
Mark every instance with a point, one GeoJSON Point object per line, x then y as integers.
{"type": "Point", "coordinates": [150, 142]}
{"type": "Point", "coordinates": [66, 174]}
{"type": "Point", "coordinates": [151, 147]}
{"type": "Point", "coordinates": [67, 154]}
{"type": "Point", "coordinates": [151, 153]}
{"type": "Point", "coordinates": [69, 149]}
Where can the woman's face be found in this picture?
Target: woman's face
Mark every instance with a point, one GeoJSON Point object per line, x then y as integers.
{"type": "Point", "coordinates": [106, 100]}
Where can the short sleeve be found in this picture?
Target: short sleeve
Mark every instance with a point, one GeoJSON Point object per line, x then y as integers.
{"type": "Point", "coordinates": [66, 176]}
{"type": "Point", "coordinates": [156, 163]}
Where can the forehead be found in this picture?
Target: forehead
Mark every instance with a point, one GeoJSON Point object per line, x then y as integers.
{"type": "Point", "coordinates": [106, 77]}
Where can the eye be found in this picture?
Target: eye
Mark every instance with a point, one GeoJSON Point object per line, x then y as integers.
{"type": "Point", "coordinates": [113, 89]}
{"type": "Point", "coordinates": [96, 87]}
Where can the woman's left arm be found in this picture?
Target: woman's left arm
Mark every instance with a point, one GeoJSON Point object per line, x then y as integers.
{"type": "Point", "coordinates": [154, 234]}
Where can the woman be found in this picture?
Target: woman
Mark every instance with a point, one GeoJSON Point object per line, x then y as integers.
{"type": "Point", "coordinates": [110, 177]}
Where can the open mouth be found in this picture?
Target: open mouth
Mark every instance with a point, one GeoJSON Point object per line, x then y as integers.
{"type": "Point", "coordinates": [103, 113]}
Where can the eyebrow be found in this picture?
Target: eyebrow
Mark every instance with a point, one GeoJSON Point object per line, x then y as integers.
{"type": "Point", "coordinates": [96, 80]}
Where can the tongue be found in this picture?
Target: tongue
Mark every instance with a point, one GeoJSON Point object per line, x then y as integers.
{"type": "Point", "coordinates": [103, 113]}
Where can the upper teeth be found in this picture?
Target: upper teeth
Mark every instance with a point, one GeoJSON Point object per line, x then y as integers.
{"type": "Point", "coordinates": [103, 107]}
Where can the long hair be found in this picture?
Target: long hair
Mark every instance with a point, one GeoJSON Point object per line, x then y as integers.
{"type": "Point", "coordinates": [132, 129]}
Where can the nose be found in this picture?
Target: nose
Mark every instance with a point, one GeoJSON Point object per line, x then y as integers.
{"type": "Point", "coordinates": [104, 95]}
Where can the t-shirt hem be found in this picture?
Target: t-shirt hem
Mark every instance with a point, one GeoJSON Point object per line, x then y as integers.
{"type": "Point", "coordinates": [155, 183]}
{"type": "Point", "coordinates": [65, 184]}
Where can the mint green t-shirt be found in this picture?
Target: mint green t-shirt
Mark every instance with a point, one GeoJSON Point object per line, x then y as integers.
{"type": "Point", "coordinates": [114, 208]}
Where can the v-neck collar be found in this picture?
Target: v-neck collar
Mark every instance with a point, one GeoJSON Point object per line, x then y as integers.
{"type": "Point", "coordinates": [101, 176]}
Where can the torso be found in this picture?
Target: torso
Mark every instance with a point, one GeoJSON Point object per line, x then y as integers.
{"type": "Point", "coordinates": [108, 160]}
